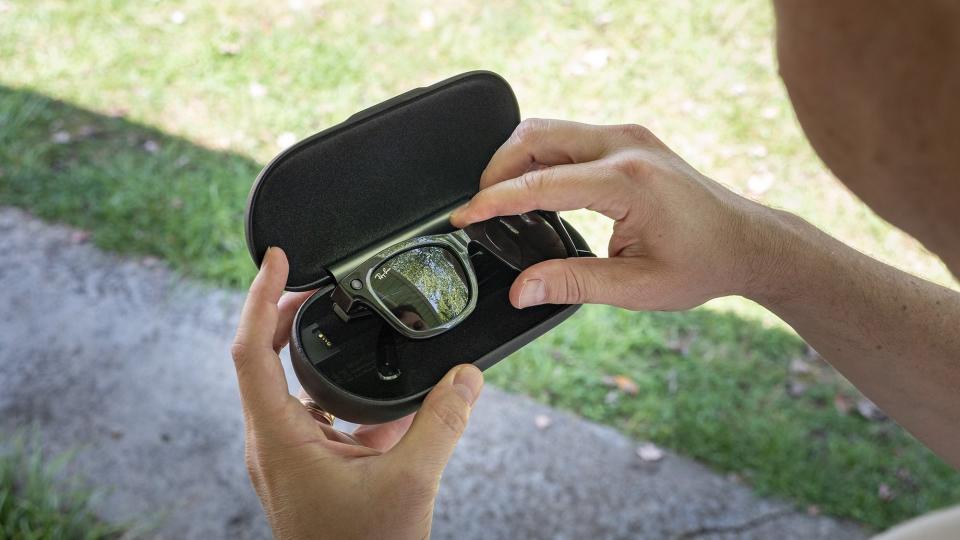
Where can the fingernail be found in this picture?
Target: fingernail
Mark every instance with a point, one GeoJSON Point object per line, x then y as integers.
{"type": "Point", "coordinates": [467, 382]}
{"type": "Point", "coordinates": [532, 293]}
{"type": "Point", "coordinates": [266, 258]}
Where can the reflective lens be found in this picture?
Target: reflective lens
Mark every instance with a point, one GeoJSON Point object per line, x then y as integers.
{"type": "Point", "coordinates": [423, 287]}
{"type": "Point", "coordinates": [520, 241]}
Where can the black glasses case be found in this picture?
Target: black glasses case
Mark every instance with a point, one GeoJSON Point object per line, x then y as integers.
{"type": "Point", "coordinates": [386, 174]}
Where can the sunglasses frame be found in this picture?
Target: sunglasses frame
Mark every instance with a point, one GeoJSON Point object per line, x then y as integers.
{"type": "Point", "coordinates": [346, 297]}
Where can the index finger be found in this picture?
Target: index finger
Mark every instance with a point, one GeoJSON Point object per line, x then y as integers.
{"type": "Point", "coordinates": [544, 142]}
{"type": "Point", "coordinates": [563, 187]}
{"type": "Point", "coordinates": [263, 385]}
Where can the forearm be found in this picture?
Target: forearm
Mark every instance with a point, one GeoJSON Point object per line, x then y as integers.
{"type": "Point", "coordinates": [895, 336]}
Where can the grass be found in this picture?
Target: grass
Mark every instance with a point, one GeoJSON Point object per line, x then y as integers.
{"type": "Point", "coordinates": [717, 388]}
{"type": "Point", "coordinates": [36, 503]}
{"type": "Point", "coordinates": [145, 123]}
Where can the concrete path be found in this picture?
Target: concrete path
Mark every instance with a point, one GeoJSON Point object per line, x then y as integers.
{"type": "Point", "coordinates": [119, 358]}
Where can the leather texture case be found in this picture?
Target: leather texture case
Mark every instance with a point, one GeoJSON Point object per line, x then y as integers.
{"type": "Point", "coordinates": [386, 174]}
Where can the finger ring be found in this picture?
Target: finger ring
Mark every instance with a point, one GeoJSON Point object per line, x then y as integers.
{"type": "Point", "coordinates": [317, 412]}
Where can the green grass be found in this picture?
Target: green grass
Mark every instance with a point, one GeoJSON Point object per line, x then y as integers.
{"type": "Point", "coordinates": [146, 122]}
{"type": "Point", "coordinates": [37, 503]}
{"type": "Point", "coordinates": [715, 387]}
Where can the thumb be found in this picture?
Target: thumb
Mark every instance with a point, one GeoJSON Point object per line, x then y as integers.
{"type": "Point", "coordinates": [585, 280]}
{"type": "Point", "coordinates": [441, 420]}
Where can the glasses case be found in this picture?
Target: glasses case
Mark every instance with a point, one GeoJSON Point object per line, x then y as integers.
{"type": "Point", "coordinates": [387, 174]}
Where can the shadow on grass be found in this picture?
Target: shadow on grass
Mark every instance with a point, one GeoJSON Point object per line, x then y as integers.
{"type": "Point", "coordinates": [136, 189]}
{"type": "Point", "coordinates": [709, 385]}
{"type": "Point", "coordinates": [746, 399]}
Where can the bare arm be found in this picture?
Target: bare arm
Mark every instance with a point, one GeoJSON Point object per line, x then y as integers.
{"type": "Point", "coordinates": [895, 336]}
{"type": "Point", "coordinates": [681, 239]}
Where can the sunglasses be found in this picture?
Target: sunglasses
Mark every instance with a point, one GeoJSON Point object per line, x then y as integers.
{"type": "Point", "coordinates": [427, 285]}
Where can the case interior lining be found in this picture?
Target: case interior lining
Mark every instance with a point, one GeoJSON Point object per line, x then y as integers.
{"type": "Point", "coordinates": [353, 186]}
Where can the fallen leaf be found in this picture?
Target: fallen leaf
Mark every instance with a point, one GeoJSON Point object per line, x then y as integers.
{"type": "Point", "coordinates": [758, 151]}
{"type": "Point", "coordinates": [842, 404]}
{"type": "Point", "coordinates": [904, 475]}
{"type": "Point", "coordinates": [542, 421]}
{"type": "Point", "coordinates": [257, 90]}
{"type": "Point", "coordinates": [612, 397]}
{"type": "Point", "coordinates": [672, 382]}
{"type": "Point", "coordinates": [798, 366]}
{"type": "Point", "coordinates": [623, 383]}
{"type": "Point", "coordinates": [596, 58]}
{"type": "Point", "coordinates": [650, 452]}
{"type": "Point", "coordinates": [427, 19]}
{"type": "Point", "coordinates": [603, 19]}
{"type": "Point", "coordinates": [286, 139]}
{"type": "Point", "coordinates": [229, 48]}
{"type": "Point", "coordinates": [151, 146]}
{"type": "Point", "coordinates": [813, 510]}
{"type": "Point", "coordinates": [682, 343]}
{"type": "Point", "coordinates": [61, 137]}
{"type": "Point", "coordinates": [885, 493]}
{"type": "Point", "coordinates": [760, 183]}
{"type": "Point", "coordinates": [796, 388]}
{"type": "Point", "coordinates": [79, 237]}
{"type": "Point", "coordinates": [868, 410]}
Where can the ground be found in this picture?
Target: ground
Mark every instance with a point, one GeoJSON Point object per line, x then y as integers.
{"type": "Point", "coordinates": [129, 365]}
{"type": "Point", "coordinates": [144, 124]}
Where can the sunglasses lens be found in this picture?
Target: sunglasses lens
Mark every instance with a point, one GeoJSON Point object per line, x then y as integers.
{"type": "Point", "coordinates": [520, 241]}
{"type": "Point", "coordinates": [423, 287]}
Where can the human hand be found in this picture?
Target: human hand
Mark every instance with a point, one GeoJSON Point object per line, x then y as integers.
{"type": "Point", "coordinates": [315, 481]}
{"type": "Point", "coordinates": [679, 238]}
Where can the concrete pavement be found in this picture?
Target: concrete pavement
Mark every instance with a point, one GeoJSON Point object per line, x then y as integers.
{"type": "Point", "coordinates": [122, 360]}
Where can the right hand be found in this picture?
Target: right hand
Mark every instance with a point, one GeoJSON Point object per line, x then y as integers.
{"type": "Point", "coordinates": [679, 238]}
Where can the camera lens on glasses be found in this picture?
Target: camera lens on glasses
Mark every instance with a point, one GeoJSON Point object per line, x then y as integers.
{"type": "Point", "coordinates": [424, 287]}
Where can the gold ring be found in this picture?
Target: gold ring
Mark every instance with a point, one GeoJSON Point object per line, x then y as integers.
{"type": "Point", "coordinates": [317, 412]}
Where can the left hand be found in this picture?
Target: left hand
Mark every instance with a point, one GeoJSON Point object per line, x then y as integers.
{"type": "Point", "coordinates": [315, 481]}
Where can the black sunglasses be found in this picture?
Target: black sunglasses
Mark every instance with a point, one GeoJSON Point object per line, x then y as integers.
{"type": "Point", "coordinates": [427, 285]}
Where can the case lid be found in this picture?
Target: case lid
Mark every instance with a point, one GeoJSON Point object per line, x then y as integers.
{"type": "Point", "coordinates": [381, 174]}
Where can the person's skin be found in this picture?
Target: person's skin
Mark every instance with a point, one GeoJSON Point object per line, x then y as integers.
{"type": "Point", "coordinates": [680, 239]}
{"type": "Point", "coordinates": [317, 482]}
{"type": "Point", "coordinates": [874, 84]}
